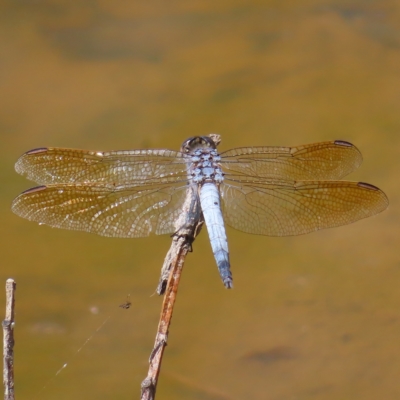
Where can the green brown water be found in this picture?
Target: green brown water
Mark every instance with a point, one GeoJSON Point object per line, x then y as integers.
{"type": "Point", "coordinates": [311, 317]}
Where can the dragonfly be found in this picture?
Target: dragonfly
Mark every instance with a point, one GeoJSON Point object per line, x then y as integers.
{"type": "Point", "coordinates": [262, 190]}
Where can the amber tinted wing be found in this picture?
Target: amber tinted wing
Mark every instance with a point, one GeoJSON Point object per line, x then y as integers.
{"type": "Point", "coordinates": [317, 161]}
{"type": "Point", "coordinates": [124, 211]}
{"type": "Point", "coordinates": [293, 208]}
{"type": "Point", "coordinates": [55, 165]}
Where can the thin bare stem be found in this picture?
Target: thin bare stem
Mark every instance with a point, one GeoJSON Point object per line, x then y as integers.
{"type": "Point", "coordinates": [8, 341]}
{"type": "Point", "coordinates": [175, 258]}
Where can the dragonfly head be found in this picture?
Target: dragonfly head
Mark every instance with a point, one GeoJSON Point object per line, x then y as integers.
{"type": "Point", "coordinates": [197, 142]}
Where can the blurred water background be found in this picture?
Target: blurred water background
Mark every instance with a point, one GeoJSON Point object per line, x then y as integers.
{"type": "Point", "coordinates": [310, 317]}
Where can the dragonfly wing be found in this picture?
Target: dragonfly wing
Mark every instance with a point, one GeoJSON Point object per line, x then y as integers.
{"type": "Point", "coordinates": [294, 208]}
{"type": "Point", "coordinates": [125, 211]}
{"type": "Point", "coordinates": [56, 165]}
{"type": "Point", "coordinates": [325, 161]}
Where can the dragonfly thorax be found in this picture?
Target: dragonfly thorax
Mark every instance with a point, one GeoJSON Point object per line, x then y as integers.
{"type": "Point", "coordinates": [205, 166]}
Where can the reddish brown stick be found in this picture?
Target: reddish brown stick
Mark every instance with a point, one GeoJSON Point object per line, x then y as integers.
{"type": "Point", "coordinates": [174, 262]}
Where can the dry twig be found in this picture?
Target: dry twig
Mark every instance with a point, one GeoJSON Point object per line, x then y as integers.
{"type": "Point", "coordinates": [173, 264]}
{"type": "Point", "coordinates": [8, 342]}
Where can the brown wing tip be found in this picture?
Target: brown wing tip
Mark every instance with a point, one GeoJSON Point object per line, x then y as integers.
{"type": "Point", "coordinates": [383, 199]}
{"type": "Point", "coordinates": [20, 165]}
{"type": "Point", "coordinates": [343, 143]}
{"type": "Point", "coordinates": [36, 151]}
{"type": "Point", "coordinates": [34, 189]}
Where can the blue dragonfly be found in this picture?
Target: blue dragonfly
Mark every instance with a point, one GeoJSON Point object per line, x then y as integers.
{"type": "Point", "coordinates": [265, 190]}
